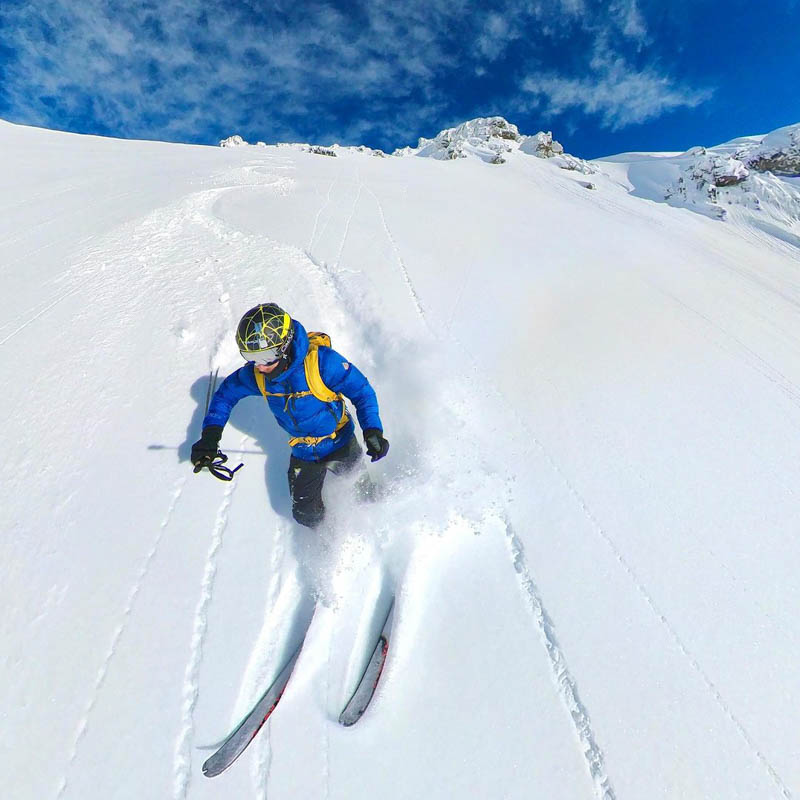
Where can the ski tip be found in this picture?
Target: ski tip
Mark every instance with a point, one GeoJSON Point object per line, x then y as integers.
{"type": "Point", "coordinates": [215, 766]}
{"type": "Point", "coordinates": [209, 771]}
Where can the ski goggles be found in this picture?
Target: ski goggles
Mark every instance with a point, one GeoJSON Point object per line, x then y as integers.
{"type": "Point", "coordinates": [264, 357]}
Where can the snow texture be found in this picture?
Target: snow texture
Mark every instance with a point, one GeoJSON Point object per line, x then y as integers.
{"type": "Point", "coordinates": [588, 513]}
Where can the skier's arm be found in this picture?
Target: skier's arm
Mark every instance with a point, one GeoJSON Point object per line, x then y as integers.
{"type": "Point", "coordinates": [237, 385]}
{"type": "Point", "coordinates": [342, 376]}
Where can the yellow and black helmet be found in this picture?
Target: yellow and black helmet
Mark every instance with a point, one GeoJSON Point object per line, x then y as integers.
{"type": "Point", "coordinates": [264, 333]}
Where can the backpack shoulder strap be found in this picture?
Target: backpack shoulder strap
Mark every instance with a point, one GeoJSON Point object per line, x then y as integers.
{"type": "Point", "coordinates": [260, 382]}
{"type": "Point", "coordinates": [262, 386]}
{"type": "Point", "coordinates": [315, 383]}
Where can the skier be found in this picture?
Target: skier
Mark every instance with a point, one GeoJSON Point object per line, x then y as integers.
{"type": "Point", "coordinates": [303, 381]}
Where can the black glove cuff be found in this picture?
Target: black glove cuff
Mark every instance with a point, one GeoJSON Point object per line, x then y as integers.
{"type": "Point", "coordinates": [211, 436]}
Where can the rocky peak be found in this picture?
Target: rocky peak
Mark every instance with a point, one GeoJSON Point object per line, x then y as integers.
{"type": "Point", "coordinates": [701, 179]}
{"type": "Point", "coordinates": [778, 152]}
{"type": "Point", "coordinates": [485, 137]}
{"type": "Point", "coordinates": [542, 145]}
{"type": "Point", "coordinates": [754, 174]}
{"type": "Point", "coordinates": [233, 141]}
{"type": "Point", "coordinates": [492, 139]}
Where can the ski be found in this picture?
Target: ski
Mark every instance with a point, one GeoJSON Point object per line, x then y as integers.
{"type": "Point", "coordinates": [366, 687]}
{"type": "Point", "coordinates": [236, 743]}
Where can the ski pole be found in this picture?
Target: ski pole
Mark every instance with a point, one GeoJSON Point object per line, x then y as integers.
{"type": "Point", "coordinates": [215, 464]}
{"type": "Point", "coordinates": [212, 386]}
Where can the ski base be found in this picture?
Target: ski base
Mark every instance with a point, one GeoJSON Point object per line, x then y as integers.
{"type": "Point", "coordinates": [365, 690]}
{"type": "Point", "coordinates": [247, 729]}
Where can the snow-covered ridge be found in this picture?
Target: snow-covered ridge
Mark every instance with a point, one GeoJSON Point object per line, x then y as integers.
{"type": "Point", "coordinates": [317, 149]}
{"type": "Point", "coordinates": [491, 139]}
{"type": "Point", "coordinates": [757, 177]}
{"type": "Point", "coordinates": [748, 173]}
{"type": "Point", "coordinates": [488, 138]}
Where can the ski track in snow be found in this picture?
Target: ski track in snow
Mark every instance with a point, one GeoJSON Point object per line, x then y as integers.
{"type": "Point", "coordinates": [566, 684]}
{"type": "Point", "coordinates": [746, 354]}
{"type": "Point", "coordinates": [326, 743]}
{"type": "Point", "coordinates": [37, 311]}
{"type": "Point", "coordinates": [263, 761]}
{"type": "Point", "coordinates": [350, 216]}
{"type": "Point", "coordinates": [401, 263]}
{"type": "Point", "coordinates": [561, 673]}
{"type": "Point", "coordinates": [682, 647]}
{"type": "Point", "coordinates": [191, 686]}
{"type": "Point", "coordinates": [321, 209]}
{"type": "Point", "coordinates": [80, 210]}
{"type": "Point", "coordinates": [83, 725]}
{"type": "Point", "coordinates": [660, 616]}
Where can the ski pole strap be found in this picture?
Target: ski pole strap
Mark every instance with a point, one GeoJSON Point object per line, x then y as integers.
{"type": "Point", "coordinates": [216, 468]}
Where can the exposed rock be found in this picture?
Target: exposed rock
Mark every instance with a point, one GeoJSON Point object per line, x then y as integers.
{"type": "Point", "coordinates": [701, 180]}
{"type": "Point", "coordinates": [779, 152]}
{"type": "Point", "coordinates": [573, 164]}
{"type": "Point", "coordinates": [366, 150]}
{"type": "Point", "coordinates": [487, 138]}
{"type": "Point", "coordinates": [493, 139]}
{"type": "Point", "coordinates": [233, 141]}
{"type": "Point", "coordinates": [541, 145]}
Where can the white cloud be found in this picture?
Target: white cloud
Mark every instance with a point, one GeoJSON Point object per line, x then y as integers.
{"type": "Point", "coordinates": [498, 32]}
{"type": "Point", "coordinates": [619, 94]}
{"type": "Point", "coordinates": [629, 18]}
{"type": "Point", "coordinates": [173, 67]}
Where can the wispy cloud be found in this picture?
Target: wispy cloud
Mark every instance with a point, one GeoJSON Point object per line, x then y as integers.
{"type": "Point", "coordinates": [628, 17]}
{"type": "Point", "coordinates": [131, 67]}
{"type": "Point", "coordinates": [620, 94]}
{"type": "Point", "coordinates": [186, 70]}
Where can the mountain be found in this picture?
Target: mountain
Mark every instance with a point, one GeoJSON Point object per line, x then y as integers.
{"type": "Point", "coordinates": [755, 178]}
{"type": "Point", "coordinates": [589, 510]}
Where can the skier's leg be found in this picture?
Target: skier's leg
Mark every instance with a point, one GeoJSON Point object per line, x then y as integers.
{"type": "Point", "coordinates": [345, 458]}
{"type": "Point", "coordinates": [306, 479]}
{"type": "Point", "coordinates": [348, 458]}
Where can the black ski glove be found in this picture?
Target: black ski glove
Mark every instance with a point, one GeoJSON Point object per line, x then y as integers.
{"type": "Point", "coordinates": [377, 446]}
{"type": "Point", "coordinates": [204, 450]}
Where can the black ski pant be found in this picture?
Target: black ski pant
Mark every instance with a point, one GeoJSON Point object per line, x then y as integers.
{"type": "Point", "coordinates": [306, 479]}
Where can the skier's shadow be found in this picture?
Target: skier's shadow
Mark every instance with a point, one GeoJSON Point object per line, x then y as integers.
{"type": "Point", "coordinates": [252, 417]}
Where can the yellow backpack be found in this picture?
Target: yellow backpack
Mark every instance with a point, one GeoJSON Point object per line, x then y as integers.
{"type": "Point", "coordinates": [316, 387]}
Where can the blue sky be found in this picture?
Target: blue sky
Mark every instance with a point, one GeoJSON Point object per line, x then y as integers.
{"type": "Point", "coordinates": [604, 77]}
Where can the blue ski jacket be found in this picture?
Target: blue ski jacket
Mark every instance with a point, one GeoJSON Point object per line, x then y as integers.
{"type": "Point", "coordinates": [303, 416]}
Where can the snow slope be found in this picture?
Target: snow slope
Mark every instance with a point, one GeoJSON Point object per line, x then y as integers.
{"type": "Point", "coordinates": [593, 402]}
